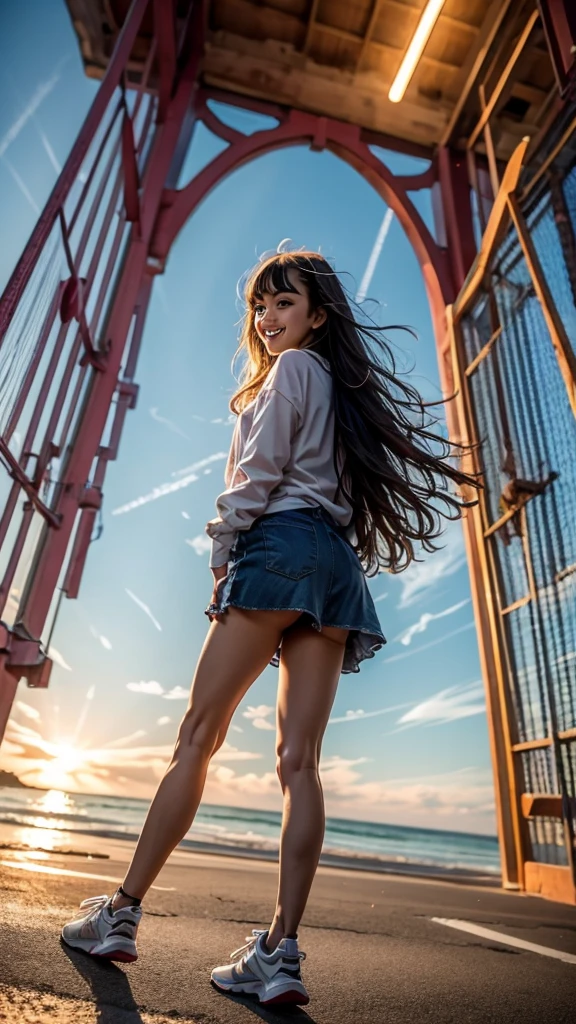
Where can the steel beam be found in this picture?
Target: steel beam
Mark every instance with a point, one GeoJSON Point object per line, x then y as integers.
{"type": "Point", "coordinates": [495, 16]}
{"type": "Point", "coordinates": [114, 72]}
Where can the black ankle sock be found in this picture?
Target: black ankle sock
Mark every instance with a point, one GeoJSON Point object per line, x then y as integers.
{"type": "Point", "coordinates": [134, 901]}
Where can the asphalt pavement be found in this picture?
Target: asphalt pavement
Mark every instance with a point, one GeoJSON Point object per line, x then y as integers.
{"type": "Point", "coordinates": [379, 949]}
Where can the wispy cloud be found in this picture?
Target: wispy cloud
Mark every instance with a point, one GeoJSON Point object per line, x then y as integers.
{"type": "Point", "coordinates": [380, 598]}
{"type": "Point", "coordinates": [125, 741]}
{"type": "Point", "coordinates": [431, 643]}
{"type": "Point", "coordinates": [452, 794]}
{"type": "Point", "coordinates": [49, 151]}
{"type": "Point", "coordinates": [420, 577]}
{"type": "Point", "coordinates": [58, 658]}
{"type": "Point", "coordinates": [154, 689]}
{"type": "Point", "coordinates": [165, 720]}
{"type": "Point", "coordinates": [168, 423]}
{"type": "Point", "coordinates": [355, 716]}
{"type": "Point", "coordinates": [29, 712]}
{"type": "Point", "coordinates": [151, 687]}
{"type": "Point", "coordinates": [176, 693]}
{"type": "Point", "coordinates": [449, 705]}
{"type": "Point", "coordinates": [190, 476]}
{"type": "Point", "coordinates": [144, 608]}
{"type": "Point", "coordinates": [463, 798]}
{"type": "Point", "coordinates": [29, 113]}
{"type": "Point", "coordinates": [21, 184]}
{"type": "Point", "coordinates": [102, 639]}
{"type": "Point", "coordinates": [38, 97]}
{"type": "Point", "coordinates": [201, 544]}
{"type": "Point", "coordinates": [375, 255]}
{"type": "Point", "coordinates": [446, 706]}
{"type": "Point", "coordinates": [197, 466]}
{"type": "Point", "coordinates": [426, 618]}
{"type": "Point", "coordinates": [259, 716]}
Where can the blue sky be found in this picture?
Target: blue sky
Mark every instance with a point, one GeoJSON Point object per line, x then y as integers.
{"type": "Point", "coordinates": [407, 742]}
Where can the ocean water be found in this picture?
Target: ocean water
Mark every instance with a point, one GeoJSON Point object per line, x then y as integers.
{"type": "Point", "coordinates": [52, 812]}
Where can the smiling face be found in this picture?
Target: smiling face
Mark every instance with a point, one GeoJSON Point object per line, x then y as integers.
{"type": "Point", "coordinates": [283, 319]}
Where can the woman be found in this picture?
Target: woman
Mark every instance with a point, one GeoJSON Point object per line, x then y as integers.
{"type": "Point", "coordinates": [328, 481]}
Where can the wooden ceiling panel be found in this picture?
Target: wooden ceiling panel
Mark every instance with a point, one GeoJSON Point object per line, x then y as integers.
{"type": "Point", "coordinates": [338, 58]}
{"type": "Point", "coordinates": [472, 12]}
{"type": "Point", "coordinates": [256, 21]}
{"type": "Point", "coordinates": [449, 43]}
{"type": "Point", "coordinates": [298, 8]}
{"type": "Point", "coordinates": [349, 15]}
{"type": "Point", "coordinates": [330, 51]}
{"type": "Point", "coordinates": [433, 83]}
{"type": "Point", "coordinates": [394, 27]}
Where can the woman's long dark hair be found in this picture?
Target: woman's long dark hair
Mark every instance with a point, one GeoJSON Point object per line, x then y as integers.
{"type": "Point", "coordinates": [388, 472]}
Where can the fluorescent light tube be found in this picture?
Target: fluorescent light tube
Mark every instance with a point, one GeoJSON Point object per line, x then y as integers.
{"type": "Point", "coordinates": [414, 51]}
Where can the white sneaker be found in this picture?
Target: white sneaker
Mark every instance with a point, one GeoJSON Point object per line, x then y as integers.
{"type": "Point", "coordinates": [98, 930]}
{"type": "Point", "coordinates": [272, 977]}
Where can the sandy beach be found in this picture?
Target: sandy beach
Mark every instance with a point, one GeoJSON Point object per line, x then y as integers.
{"type": "Point", "coordinates": [378, 945]}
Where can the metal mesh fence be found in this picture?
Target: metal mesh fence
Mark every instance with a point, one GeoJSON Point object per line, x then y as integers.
{"type": "Point", "coordinates": [523, 415]}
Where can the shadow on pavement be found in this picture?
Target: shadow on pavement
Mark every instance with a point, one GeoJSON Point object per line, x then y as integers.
{"type": "Point", "coordinates": [110, 987]}
{"type": "Point", "coordinates": [276, 1016]}
{"type": "Point", "coordinates": [111, 992]}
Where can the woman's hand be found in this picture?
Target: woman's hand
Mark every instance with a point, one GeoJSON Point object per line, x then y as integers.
{"type": "Point", "coordinates": [219, 573]}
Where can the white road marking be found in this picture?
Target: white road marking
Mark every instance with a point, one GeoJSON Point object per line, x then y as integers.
{"type": "Point", "coordinates": [45, 869]}
{"type": "Point", "coordinates": [507, 940]}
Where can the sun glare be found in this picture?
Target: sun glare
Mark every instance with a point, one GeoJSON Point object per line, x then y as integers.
{"type": "Point", "coordinates": [54, 801]}
{"type": "Point", "coordinates": [57, 772]}
{"type": "Point", "coordinates": [67, 759]}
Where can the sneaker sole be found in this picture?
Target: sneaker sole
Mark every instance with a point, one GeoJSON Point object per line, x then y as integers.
{"type": "Point", "coordinates": [296, 998]}
{"type": "Point", "coordinates": [123, 956]}
{"type": "Point", "coordinates": [292, 995]}
{"type": "Point", "coordinates": [118, 955]}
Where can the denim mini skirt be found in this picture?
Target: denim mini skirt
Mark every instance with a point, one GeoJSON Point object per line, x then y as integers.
{"type": "Point", "coordinates": [300, 560]}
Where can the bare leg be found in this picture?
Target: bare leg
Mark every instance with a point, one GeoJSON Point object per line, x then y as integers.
{"type": "Point", "coordinates": [309, 673]}
{"type": "Point", "coordinates": [235, 652]}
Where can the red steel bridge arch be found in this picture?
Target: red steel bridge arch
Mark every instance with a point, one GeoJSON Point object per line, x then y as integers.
{"type": "Point", "coordinates": [299, 128]}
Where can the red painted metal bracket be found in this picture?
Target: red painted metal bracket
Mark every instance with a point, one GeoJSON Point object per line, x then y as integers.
{"type": "Point", "coordinates": [90, 503]}
{"type": "Point", "coordinates": [72, 304]}
{"type": "Point", "coordinates": [21, 655]}
{"type": "Point", "coordinates": [30, 489]}
{"type": "Point", "coordinates": [130, 168]}
{"type": "Point", "coordinates": [165, 32]}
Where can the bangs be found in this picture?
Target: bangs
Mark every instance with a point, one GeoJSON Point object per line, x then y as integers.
{"type": "Point", "coordinates": [271, 278]}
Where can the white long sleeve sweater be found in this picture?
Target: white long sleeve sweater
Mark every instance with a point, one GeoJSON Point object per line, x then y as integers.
{"type": "Point", "coordinates": [281, 455]}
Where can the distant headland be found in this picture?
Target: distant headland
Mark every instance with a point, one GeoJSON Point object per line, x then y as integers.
{"type": "Point", "coordinates": [10, 779]}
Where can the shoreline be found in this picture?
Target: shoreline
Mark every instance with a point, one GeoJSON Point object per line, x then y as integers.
{"type": "Point", "coordinates": [105, 845]}
{"type": "Point", "coordinates": [146, 802]}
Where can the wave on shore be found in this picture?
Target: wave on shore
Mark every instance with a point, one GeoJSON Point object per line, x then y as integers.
{"type": "Point", "coordinates": [256, 833]}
